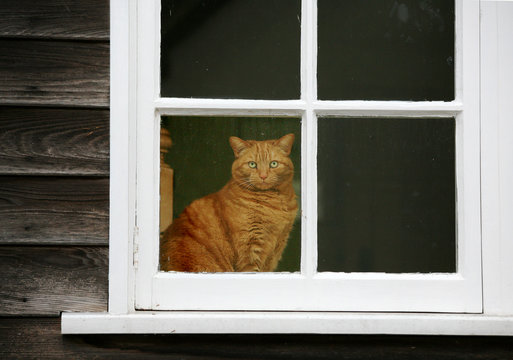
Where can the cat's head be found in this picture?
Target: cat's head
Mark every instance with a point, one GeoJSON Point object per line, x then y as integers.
{"type": "Point", "coordinates": [262, 165]}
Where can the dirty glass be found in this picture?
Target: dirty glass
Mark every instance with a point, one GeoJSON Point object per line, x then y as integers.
{"type": "Point", "coordinates": [386, 195]}
{"type": "Point", "coordinates": [230, 49]}
{"type": "Point", "coordinates": [198, 157]}
{"type": "Point", "coordinates": [386, 50]}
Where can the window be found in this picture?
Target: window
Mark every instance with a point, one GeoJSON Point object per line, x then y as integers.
{"type": "Point", "coordinates": [427, 134]}
{"type": "Point", "coordinates": [384, 101]}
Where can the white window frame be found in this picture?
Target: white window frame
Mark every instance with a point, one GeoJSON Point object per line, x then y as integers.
{"type": "Point", "coordinates": [135, 284]}
{"type": "Point", "coordinates": [309, 291]}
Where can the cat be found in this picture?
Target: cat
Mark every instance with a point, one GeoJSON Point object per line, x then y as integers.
{"type": "Point", "coordinates": [245, 225]}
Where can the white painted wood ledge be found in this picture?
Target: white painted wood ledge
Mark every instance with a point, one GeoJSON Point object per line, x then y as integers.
{"type": "Point", "coordinates": [183, 322]}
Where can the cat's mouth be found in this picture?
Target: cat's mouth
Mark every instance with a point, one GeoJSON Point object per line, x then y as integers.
{"type": "Point", "coordinates": [264, 185]}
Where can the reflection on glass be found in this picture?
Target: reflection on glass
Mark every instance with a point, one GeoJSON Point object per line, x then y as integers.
{"type": "Point", "coordinates": [386, 195]}
{"type": "Point", "coordinates": [230, 49]}
{"type": "Point", "coordinates": [231, 201]}
{"type": "Point", "coordinates": [386, 50]}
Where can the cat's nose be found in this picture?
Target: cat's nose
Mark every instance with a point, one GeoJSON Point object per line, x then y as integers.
{"type": "Point", "coordinates": [263, 176]}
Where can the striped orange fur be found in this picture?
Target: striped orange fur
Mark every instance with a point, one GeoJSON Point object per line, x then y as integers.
{"type": "Point", "coordinates": [245, 225]}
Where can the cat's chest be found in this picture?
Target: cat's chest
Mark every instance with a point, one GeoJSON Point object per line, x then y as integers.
{"type": "Point", "coordinates": [268, 216]}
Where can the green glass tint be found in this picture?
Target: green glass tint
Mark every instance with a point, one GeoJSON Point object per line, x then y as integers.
{"type": "Point", "coordinates": [231, 49]}
{"type": "Point", "coordinates": [201, 159]}
{"type": "Point", "coordinates": [386, 195]}
{"type": "Point", "coordinates": [386, 50]}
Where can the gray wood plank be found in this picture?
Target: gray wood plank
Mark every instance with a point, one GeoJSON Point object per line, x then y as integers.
{"type": "Point", "coordinates": [56, 19]}
{"type": "Point", "coordinates": [48, 280]}
{"type": "Point", "coordinates": [54, 73]}
{"type": "Point", "coordinates": [40, 338]}
{"type": "Point", "coordinates": [41, 141]}
{"type": "Point", "coordinates": [54, 210]}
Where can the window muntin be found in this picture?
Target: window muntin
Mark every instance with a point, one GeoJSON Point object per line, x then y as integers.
{"type": "Point", "coordinates": [325, 291]}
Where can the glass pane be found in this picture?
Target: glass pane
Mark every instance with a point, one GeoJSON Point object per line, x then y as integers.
{"type": "Point", "coordinates": [386, 195]}
{"type": "Point", "coordinates": [230, 49]}
{"type": "Point", "coordinates": [245, 226]}
{"type": "Point", "coordinates": [386, 50]}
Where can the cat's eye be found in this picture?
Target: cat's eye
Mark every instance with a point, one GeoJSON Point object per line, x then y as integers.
{"type": "Point", "coordinates": [252, 164]}
{"type": "Point", "coordinates": [273, 164]}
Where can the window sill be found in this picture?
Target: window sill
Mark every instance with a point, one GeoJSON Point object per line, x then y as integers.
{"type": "Point", "coordinates": [183, 322]}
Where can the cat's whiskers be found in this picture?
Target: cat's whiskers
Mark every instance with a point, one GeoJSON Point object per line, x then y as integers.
{"type": "Point", "coordinates": [246, 184]}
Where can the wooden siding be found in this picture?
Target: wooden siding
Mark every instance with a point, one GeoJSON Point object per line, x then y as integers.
{"type": "Point", "coordinates": [41, 339]}
{"type": "Point", "coordinates": [55, 19]}
{"type": "Point", "coordinates": [54, 210]}
{"type": "Point", "coordinates": [40, 141]}
{"type": "Point", "coordinates": [48, 280]}
{"type": "Point", "coordinates": [58, 73]}
{"type": "Point", "coordinates": [54, 157]}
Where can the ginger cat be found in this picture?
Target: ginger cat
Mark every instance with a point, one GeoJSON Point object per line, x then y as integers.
{"type": "Point", "coordinates": [245, 225]}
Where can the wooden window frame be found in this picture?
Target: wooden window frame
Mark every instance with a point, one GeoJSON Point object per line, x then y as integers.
{"type": "Point", "coordinates": [135, 282]}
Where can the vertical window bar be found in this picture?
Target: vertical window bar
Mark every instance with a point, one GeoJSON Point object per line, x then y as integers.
{"type": "Point", "coordinates": [309, 145]}
{"type": "Point", "coordinates": [458, 51]}
{"type": "Point", "coordinates": [156, 60]}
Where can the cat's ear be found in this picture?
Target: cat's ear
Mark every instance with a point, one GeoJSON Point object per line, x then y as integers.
{"type": "Point", "coordinates": [285, 143]}
{"type": "Point", "coordinates": [238, 145]}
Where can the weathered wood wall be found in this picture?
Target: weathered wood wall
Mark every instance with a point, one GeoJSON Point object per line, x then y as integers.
{"type": "Point", "coordinates": [54, 201]}
{"type": "Point", "coordinates": [41, 340]}
{"type": "Point", "coordinates": [54, 157]}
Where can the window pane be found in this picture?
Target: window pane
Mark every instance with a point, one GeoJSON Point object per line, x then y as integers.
{"type": "Point", "coordinates": [230, 49]}
{"type": "Point", "coordinates": [386, 195]}
{"type": "Point", "coordinates": [386, 50]}
{"type": "Point", "coordinates": [201, 158]}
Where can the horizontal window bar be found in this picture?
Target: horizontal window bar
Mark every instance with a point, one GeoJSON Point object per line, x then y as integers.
{"type": "Point", "coordinates": [177, 106]}
{"type": "Point", "coordinates": [387, 108]}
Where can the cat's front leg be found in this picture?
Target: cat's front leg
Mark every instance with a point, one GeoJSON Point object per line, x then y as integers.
{"type": "Point", "coordinates": [254, 252]}
{"type": "Point", "coordinates": [275, 256]}
{"type": "Point", "coordinates": [250, 259]}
